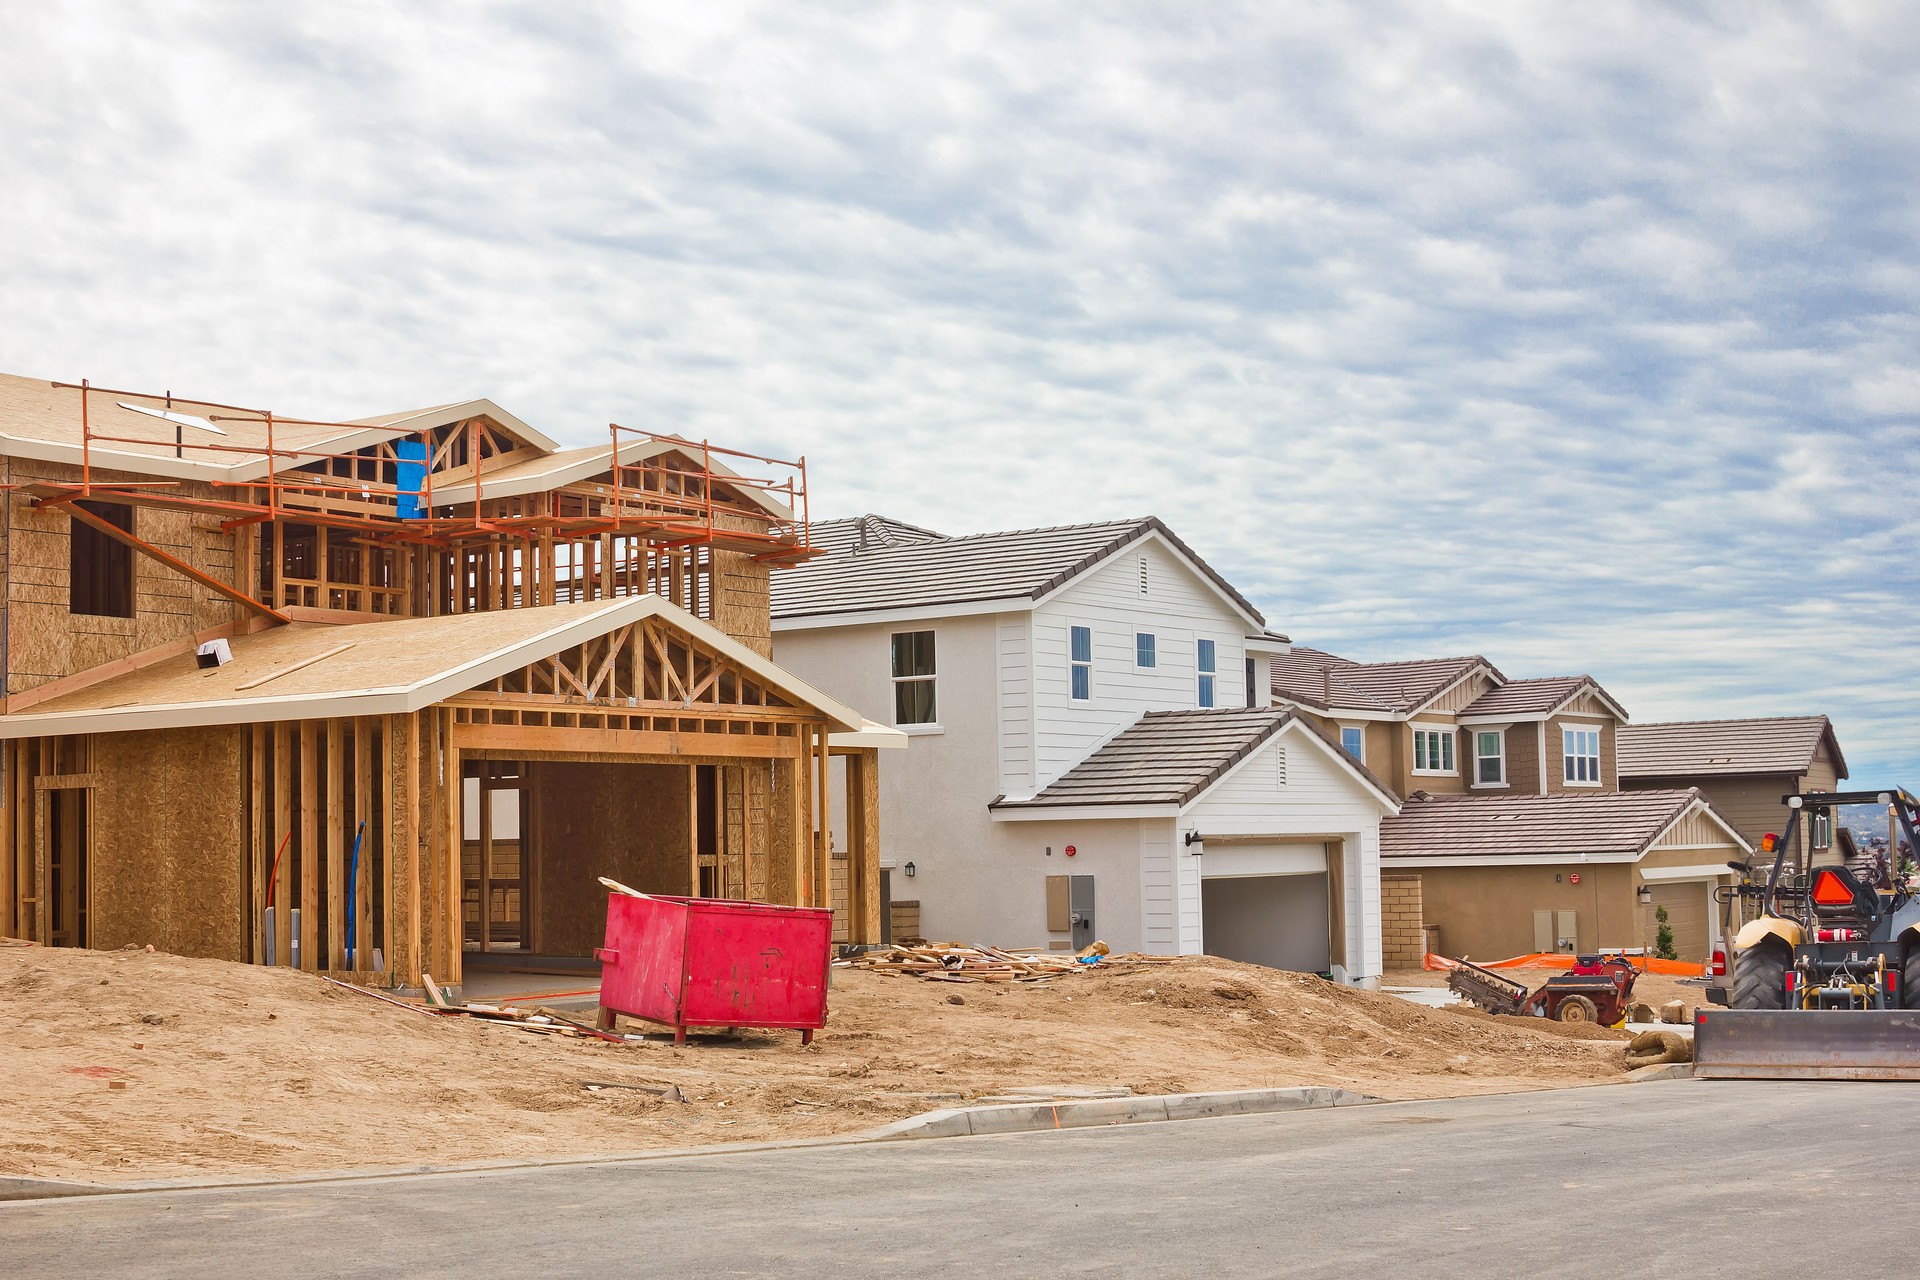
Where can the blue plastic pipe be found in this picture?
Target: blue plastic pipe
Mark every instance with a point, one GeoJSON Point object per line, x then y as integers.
{"type": "Point", "coordinates": [353, 891]}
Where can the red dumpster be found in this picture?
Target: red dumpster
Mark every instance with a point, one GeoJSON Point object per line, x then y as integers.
{"type": "Point", "coordinates": [706, 962]}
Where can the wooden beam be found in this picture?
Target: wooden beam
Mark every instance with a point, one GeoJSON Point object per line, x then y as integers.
{"type": "Point", "coordinates": [335, 862]}
{"type": "Point", "coordinates": [863, 845]}
{"type": "Point", "coordinates": [178, 565]}
{"type": "Point", "coordinates": [292, 667]}
{"type": "Point", "coordinates": [538, 739]}
{"type": "Point", "coordinates": [259, 850]}
{"type": "Point", "coordinates": [312, 859]}
{"type": "Point", "coordinates": [281, 779]}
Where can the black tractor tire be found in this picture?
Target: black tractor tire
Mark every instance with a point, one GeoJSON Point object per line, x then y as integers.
{"type": "Point", "coordinates": [1760, 976]}
{"type": "Point", "coordinates": [1577, 1009]}
{"type": "Point", "coordinates": [1910, 976]}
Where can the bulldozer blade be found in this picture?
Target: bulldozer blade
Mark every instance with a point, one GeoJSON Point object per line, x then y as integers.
{"type": "Point", "coordinates": [1823, 1044]}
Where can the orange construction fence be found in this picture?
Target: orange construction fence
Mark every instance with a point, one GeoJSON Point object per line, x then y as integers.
{"type": "Point", "coordinates": [1560, 960]}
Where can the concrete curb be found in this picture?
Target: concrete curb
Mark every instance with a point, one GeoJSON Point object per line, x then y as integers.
{"type": "Point", "coordinates": [952, 1122]}
{"type": "Point", "coordinates": [1030, 1117]}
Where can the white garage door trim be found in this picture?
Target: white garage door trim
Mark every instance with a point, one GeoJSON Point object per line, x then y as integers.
{"type": "Point", "coordinates": [1276, 859]}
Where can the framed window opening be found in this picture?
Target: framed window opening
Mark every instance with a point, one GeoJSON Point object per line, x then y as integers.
{"type": "Point", "coordinates": [1580, 752]}
{"type": "Point", "coordinates": [1144, 645]}
{"type": "Point", "coordinates": [1433, 751]}
{"type": "Point", "coordinates": [1206, 659]}
{"type": "Point", "coordinates": [913, 679]}
{"type": "Point", "coordinates": [1252, 684]}
{"type": "Point", "coordinates": [1080, 663]}
{"type": "Point", "coordinates": [100, 579]}
{"type": "Point", "coordinates": [1489, 758]}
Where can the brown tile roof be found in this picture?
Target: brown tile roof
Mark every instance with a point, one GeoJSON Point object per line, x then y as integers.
{"type": "Point", "coordinates": [1524, 827]}
{"type": "Point", "coordinates": [1719, 748]}
{"type": "Point", "coordinates": [1020, 563]}
{"type": "Point", "coordinates": [1532, 697]}
{"type": "Point", "coordinates": [1170, 757]}
{"type": "Point", "coordinates": [1307, 676]}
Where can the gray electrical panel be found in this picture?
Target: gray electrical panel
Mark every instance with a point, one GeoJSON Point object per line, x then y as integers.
{"type": "Point", "coordinates": [1080, 910]}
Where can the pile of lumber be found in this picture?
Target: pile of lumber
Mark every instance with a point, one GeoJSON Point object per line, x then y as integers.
{"type": "Point", "coordinates": [964, 962]}
{"type": "Point", "coordinates": [550, 1022]}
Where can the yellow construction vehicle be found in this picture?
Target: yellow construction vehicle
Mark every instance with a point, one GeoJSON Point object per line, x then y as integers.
{"type": "Point", "coordinates": [1826, 977]}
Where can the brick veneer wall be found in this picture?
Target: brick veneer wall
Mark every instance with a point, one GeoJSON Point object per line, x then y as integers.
{"type": "Point", "coordinates": [1403, 940]}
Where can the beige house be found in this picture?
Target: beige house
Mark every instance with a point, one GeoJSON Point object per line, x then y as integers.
{"type": "Point", "coordinates": [1744, 766]}
{"type": "Point", "coordinates": [1567, 871]}
{"type": "Point", "coordinates": [1457, 726]}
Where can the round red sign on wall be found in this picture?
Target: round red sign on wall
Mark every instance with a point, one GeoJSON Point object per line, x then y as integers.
{"type": "Point", "coordinates": [1071, 851]}
{"type": "Point", "coordinates": [1574, 878]}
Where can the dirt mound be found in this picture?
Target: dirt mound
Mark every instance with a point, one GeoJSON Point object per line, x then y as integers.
{"type": "Point", "coordinates": [233, 1068]}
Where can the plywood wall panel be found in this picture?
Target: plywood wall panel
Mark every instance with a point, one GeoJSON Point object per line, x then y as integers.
{"type": "Point", "coordinates": [630, 823]}
{"type": "Point", "coordinates": [168, 841]}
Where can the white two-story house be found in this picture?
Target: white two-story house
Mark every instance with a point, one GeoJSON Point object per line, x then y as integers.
{"type": "Point", "coordinates": [1092, 751]}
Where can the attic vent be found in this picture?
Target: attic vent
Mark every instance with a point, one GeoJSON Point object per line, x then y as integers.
{"type": "Point", "coordinates": [1280, 766]}
{"type": "Point", "coordinates": [1143, 575]}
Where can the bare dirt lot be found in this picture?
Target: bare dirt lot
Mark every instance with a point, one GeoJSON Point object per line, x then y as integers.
{"type": "Point", "coordinates": [234, 1069]}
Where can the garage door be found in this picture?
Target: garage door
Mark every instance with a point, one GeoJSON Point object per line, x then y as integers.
{"type": "Point", "coordinates": [1688, 915]}
{"type": "Point", "coordinates": [1277, 921]}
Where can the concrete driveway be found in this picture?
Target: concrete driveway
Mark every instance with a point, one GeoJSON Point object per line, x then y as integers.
{"type": "Point", "coordinates": [1685, 1179]}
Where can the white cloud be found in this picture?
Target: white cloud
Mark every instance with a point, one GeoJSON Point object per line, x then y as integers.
{"type": "Point", "coordinates": [1581, 338]}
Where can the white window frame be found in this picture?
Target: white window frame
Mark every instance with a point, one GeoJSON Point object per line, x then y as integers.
{"type": "Point", "coordinates": [1153, 651]}
{"type": "Point", "coordinates": [1568, 756]}
{"type": "Point", "coordinates": [1445, 736]}
{"type": "Point", "coordinates": [1499, 735]}
{"type": "Point", "coordinates": [1360, 731]}
{"type": "Point", "coordinates": [1206, 683]}
{"type": "Point", "coordinates": [1077, 664]}
{"type": "Point", "coordinates": [932, 678]}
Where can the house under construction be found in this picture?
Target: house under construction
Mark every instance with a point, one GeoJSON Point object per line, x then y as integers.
{"type": "Point", "coordinates": [387, 697]}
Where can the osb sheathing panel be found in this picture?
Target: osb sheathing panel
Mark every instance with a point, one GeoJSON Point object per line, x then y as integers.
{"type": "Point", "coordinates": [45, 641]}
{"type": "Point", "coordinates": [742, 592]}
{"type": "Point", "coordinates": [629, 822]}
{"type": "Point", "coordinates": [168, 841]}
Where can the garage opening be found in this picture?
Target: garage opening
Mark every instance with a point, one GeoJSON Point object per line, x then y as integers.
{"type": "Point", "coordinates": [1279, 921]}
{"type": "Point", "coordinates": [1689, 915]}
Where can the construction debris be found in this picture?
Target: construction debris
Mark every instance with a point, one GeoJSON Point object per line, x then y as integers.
{"type": "Point", "coordinates": [961, 962]}
{"type": "Point", "coordinates": [1651, 1048]}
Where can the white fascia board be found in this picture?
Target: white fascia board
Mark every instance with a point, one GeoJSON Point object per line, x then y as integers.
{"type": "Point", "coordinates": [445, 415]}
{"type": "Point", "coordinates": [1154, 536]}
{"type": "Point", "coordinates": [1705, 871]}
{"type": "Point", "coordinates": [1268, 646]}
{"type": "Point", "coordinates": [869, 734]}
{"type": "Point", "coordinates": [1390, 861]}
{"type": "Point", "coordinates": [1615, 709]}
{"type": "Point", "coordinates": [912, 613]}
{"type": "Point", "coordinates": [1506, 719]}
{"type": "Point", "coordinates": [1082, 812]}
{"type": "Point", "coordinates": [111, 458]}
{"type": "Point", "coordinates": [1339, 713]}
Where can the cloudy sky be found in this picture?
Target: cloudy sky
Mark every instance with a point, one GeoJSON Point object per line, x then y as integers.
{"type": "Point", "coordinates": [1583, 337]}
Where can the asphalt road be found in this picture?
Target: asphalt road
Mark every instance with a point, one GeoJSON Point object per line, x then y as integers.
{"type": "Point", "coordinates": [1681, 1180]}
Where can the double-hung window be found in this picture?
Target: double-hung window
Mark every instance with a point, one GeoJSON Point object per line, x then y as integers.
{"type": "Point", "coordinates": [1489, 757]}
{"type": "Point", "coordinates": [1433, 751]}
{"type": "Point", "coordinates": [1206, 659]}
{"type": "Point", "coordinates": [1354, 739]}
{"type": "Point", "coordinates": [1081, 662]}
{"type": "Point", "coordinates": [913, 700]}
{"type": "Point", "coordinates": [1143, 647]}
{"type": "Point", "coordinates": [1580, 748]}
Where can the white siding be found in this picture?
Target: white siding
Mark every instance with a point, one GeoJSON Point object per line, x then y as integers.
{"type": "Point", "coordinates": [1160, 905]}
{"type": "Point", "coordinates": [1179, 608]}
{"type": "Point", "coordinates": [1015, 640]}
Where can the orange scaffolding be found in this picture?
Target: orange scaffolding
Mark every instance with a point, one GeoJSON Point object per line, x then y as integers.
{"type": "Point", "coordinates": [668, 506]}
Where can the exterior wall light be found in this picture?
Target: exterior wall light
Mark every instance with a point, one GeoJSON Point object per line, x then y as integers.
{"type": "Point", "coordinates": [909, 869]}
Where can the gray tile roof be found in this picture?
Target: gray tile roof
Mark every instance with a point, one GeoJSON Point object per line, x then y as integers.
{"type": "Point", "coordinates": [1022, 563]}
{"type": "Point", "coordinates": [1308, 676]}
{"type": "Point", "coordinates": [1720, 748]}
{"type": "Point", "coordinates": [869, 532]}
{"type": "Point", "coordinates": [1530, 826]}
{"type": "Point", "coordinates": [1169, 757]}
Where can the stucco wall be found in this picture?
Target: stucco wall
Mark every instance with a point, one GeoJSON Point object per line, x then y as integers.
{"type": "Point", "coordinates": [1486, 913]}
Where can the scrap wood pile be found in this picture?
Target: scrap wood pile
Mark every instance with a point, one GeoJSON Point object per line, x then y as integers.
{"type": "Point", "coordinates": [962, 962]}
{"type": "Point", "coordinates": [549, 1022]}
